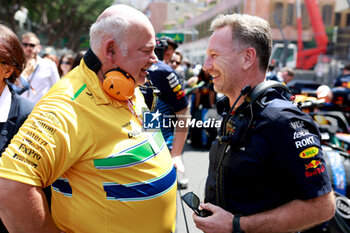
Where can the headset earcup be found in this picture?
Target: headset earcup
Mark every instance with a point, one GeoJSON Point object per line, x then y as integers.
{"type": "Point", "coordinates": [118, 85]}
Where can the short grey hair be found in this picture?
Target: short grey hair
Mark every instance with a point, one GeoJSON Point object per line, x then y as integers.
{"type": "Point", "coordinates": [248, 31]}
{"type": "Point", "coordinates": [111, 26]}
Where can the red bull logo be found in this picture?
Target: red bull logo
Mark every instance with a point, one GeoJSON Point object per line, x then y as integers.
{"type": "Point", "coordinates": [309, 152]}
{"type": "Point", "coordinates": [316, 171]}
{"type": "Point", "coordinates": [180, 94]}
{"type": "Point", "coordinates": [313, 164]}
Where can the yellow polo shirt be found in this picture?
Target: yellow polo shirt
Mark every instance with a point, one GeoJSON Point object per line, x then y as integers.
{"type": "Point", "coordinates": [107, 175]}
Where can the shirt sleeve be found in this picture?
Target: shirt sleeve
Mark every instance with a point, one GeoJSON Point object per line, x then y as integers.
{"type": "Point", "coordinates": [46, 146]}
{"type": "Point", "coordinates": [173, 92]}
{"type": "Point", "coordinates": [298, 155]}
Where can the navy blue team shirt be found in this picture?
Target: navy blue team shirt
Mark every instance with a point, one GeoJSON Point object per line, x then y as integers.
{"type": "Point", "coordinates": [280, 161]}
{"type": "Point", "coordinates": [172, 96]}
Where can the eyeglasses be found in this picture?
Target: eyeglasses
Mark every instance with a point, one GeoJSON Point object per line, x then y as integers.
{"type": "Point", "coordinates": [65, 63]}
{"type": "Point", "coordinates": [28, 44]}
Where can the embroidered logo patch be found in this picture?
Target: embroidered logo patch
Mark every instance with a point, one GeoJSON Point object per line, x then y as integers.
{"type": "Point", "coordinates": [309, 152]}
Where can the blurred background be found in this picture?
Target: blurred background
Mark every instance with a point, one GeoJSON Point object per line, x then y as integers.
{"type": "Point", "coordinates": [63, 27]}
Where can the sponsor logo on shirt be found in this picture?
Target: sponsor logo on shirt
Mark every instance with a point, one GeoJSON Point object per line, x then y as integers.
{"type": "Point", "coordinates": [300, 134]}
{"type": "Point", "coordinates": [297, 124]}
{"type": "Point", "coordinates": [131, 129]}
{"type": "Point", "coordinates": [175, 85]}
{"type": "Point", "coordinates": [25, 160]}
{"type": "Point", "coordinates": [34, 145]}
{"type": "Point", "coordinates": [37, 138]}
{"type": "Point", "coordinates": [230, 127]}
{"type": "Point", "coordinates": [309, 152]}
{"type": "Point", "coordinates": [315, 171]}
{"type": "Point", "coordinates": [44, 127]}
{"type": "Point", "coordinates": [305, 142]}
{"type": "Point", "coordinates": [313, 164]}
{"type": "Point", "coordinates": [29, 151]}
{"type": "Point", "coordinates": [89, 94]}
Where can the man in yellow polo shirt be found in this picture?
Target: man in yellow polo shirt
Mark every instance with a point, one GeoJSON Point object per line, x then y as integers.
{"type": "Point", "coordinates": [85, 139]}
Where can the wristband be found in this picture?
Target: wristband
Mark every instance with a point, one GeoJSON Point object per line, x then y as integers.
{"type": "Point", "coordinates": [236, 225]}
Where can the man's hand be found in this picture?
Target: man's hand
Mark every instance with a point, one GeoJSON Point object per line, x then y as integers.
{"type": "Point", "coordinates": [219, 222]}
{"type": "Point", "coordinates": [177, 161]}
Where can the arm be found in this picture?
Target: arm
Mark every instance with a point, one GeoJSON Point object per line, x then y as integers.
{"type": "Point", "coordinates": [180, 136]}
{"type": "Point", "coordinates": [293, 216]}
{"type": "Point", "coordinates": [24, 208]}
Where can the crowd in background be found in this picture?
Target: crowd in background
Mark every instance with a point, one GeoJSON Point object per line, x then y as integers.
{"type": "Point", "coordinates": [43, 69]}
{"type": "Point", "coordinates": [196, 81]}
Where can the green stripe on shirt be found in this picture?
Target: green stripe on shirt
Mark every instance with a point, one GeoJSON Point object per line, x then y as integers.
{"type": "Point", "coordinates": [79, 92]}
{"type": "Point", "coordinates": [133, 155]}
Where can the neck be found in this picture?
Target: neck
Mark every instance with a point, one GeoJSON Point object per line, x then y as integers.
{"type": "Point", "coordinates": [2, 86]}
{"type": "Point", "coordinates": [93, 62]}
{"type": "Point", "coordinates": [239, 102]}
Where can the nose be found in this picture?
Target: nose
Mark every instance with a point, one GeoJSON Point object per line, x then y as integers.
{"type": "Point", "coordinates": [208, 65]}
{"type": "Point", "coordinates": [153, 58]}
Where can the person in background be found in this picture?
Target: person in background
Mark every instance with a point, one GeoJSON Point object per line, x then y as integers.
{"type": "Point", "coordinates": [172, 102]}
{"type": "Point", "coordinates": [65, 64]}
{"type": "Point", "coordinates": [188, 67]}
{"type": "Point", "coordinates": [78, 58]}
{"type": "Point", "coordinates": [343, 80]}
{"type": "Point", "coordinates": [176, 60]}
{"type": "Point", "coordinates": [262, 176]}
{"type": "Point", "coordinates": [51, 57]}
{"type": "Point", "coordinates": [85, 137]}
{"type": "Point", "coordinates": [271, 72]}
{"type": "Point", "coordinates": [169, 50]}
{"type": "Point", "coordinates": [14, 110]}
{"type": "Point", "coordinates": [175, 63]}
{"type": "Point", "coordinates": [205, 95]}
{"type": "Point", "coordinates": [324, 92]}
{"type": "Point", "coordinates": [285, 75]}
{"type": "Point", "coordinates": [40, 74]}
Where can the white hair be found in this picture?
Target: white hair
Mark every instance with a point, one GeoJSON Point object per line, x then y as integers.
{"type": "Point", "coordinates": [112, 26]}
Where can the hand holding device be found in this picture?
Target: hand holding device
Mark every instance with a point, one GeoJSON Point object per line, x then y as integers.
{"type": "Point", "coordinates": [192, 200]}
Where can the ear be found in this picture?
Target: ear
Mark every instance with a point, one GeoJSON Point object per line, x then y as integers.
{"type": "Point", "coordinates": [249, 58]}
{"type": "Point", "coordinates": [8, 71]}
{"type": "Point", "coordinates": [109, 49]}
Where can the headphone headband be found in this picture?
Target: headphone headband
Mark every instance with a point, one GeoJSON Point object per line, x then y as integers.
{"type": "Point", "coordinates": [261, 88]}
{"type": "Point", "coordinates": [117, 83]}
{"type": "Point", "coordinates": [126, 74]}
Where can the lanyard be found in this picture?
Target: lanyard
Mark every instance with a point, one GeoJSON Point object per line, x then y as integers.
{"type": "Point", "coordinates": [31, 77]}
{"type": "Point", "coordinates": [131, 107]}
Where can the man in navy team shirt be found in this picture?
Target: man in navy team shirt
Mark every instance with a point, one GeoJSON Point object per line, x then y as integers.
{"type": "Point", "coordinates": [172, 104]}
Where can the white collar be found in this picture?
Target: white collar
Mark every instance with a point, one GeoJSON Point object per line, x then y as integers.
{"type": "Point", "coordinates": [5, 104]}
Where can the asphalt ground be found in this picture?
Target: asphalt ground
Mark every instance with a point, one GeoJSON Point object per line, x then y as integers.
{"type": "Point", "coordinates": [196, 161]}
